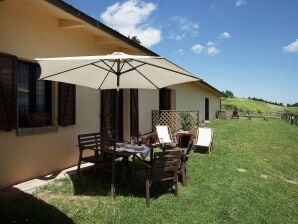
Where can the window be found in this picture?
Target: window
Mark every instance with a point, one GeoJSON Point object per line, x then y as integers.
{"type": "Point", "coordinates": [34, 96]}
{"type": "Point", "coordinates": [26, 101]}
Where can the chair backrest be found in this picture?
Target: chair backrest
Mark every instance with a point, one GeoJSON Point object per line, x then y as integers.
{"type": "Point", "coordinates": [165, 165]}
{"type": "Point", "coordinates": [204, 137]}
{"type": "Point", "coordinates": [94, 141]}
{"type": "Point", "coordinates": [89, 141]}
{"type": "Point", "coordinates": [163, 134]}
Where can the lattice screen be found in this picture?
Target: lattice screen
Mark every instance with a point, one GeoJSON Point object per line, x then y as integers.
{"type": "Point", "coordinates": [176, 119]}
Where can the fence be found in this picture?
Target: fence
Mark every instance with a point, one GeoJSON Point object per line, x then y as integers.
{"type": "Point", "coordinates": [274, 115]}
{"type": "Point", "coordinates": [250, 114]}
{"type": "Point", "coordinates": [290, 117]}
{"type": "Point", "coordinates": [187, 120]}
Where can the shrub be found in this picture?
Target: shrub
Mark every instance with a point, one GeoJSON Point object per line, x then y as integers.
{"type": "Point", "coordinates": [186, 121]}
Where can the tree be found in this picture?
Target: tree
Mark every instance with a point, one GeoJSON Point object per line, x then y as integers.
{"type": "Point", "coordinates": [135, 39]}
{"type": "Point", "coordinates": [292, 105]}
{"type": "Point", "coordinates": [229, 93]}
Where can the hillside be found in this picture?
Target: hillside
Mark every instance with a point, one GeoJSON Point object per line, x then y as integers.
{"type": "Point", "coordinates": [253, 106]}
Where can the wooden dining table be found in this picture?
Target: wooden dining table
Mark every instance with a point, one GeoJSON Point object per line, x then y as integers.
{"type": "Point", "coordinates": [124, 151]}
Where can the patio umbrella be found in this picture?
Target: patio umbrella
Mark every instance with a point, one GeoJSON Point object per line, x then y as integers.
{"type": "Point", "coordinates": [114, 71]}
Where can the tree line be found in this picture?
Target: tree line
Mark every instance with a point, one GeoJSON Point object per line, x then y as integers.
{"type": "Point", "coordinates": [265, 101]}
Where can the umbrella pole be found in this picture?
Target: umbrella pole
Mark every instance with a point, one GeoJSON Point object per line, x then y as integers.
{"type": "Point", "coordinates": [116, 129]}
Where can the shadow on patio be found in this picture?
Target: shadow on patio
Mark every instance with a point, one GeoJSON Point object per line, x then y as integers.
{"type": "Point", "coordinates": [19, 207]}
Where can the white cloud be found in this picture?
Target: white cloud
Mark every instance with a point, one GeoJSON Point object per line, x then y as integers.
{"type": "Point", "coordinates": [224, 35]}
{"type": "Point", "coordinates": [292, 47]}
{"type": "Point", "coordinates": [197, 48]}
{"type": "Point", "coordinates": [209, 49]}
{"type": "Point", "coordinates": [240, 3]}
{"type": "Point", "coordinates": [185, 27]}
{"type": "Point", "coordinates": [210, 43]}
{"type": "Point", "coordinates": [130, 17]}
{"type": "Point", "coordinates": [177, 36]}
{"type": "Point", "coordinates": [212, 51]}
{"type": "Point", "coordinates": [185, 23]}
{"type": "Point", "coordinates": [179, 51]}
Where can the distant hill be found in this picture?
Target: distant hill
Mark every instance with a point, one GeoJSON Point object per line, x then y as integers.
{"type": "Point", "coordinates": [254, 106]}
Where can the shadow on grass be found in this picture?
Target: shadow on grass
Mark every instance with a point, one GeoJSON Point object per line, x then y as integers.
{"type": "Point", "coordinates": [202, 150]}
{"type": "Point", "coordinates": [98, 183]}
{"type": "Point", "coordinates": [19, 207]}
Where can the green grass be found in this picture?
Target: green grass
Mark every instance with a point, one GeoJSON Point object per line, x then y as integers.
{"type": "Point", "coordinates": [251, 176]}
{"type": "Point", "coordinates": [250, 105]}
{"type": "Point", "coordinates": [293, 110]}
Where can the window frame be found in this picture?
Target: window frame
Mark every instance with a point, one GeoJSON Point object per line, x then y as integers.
{"type": "Point", "coordinates": [34, 118]}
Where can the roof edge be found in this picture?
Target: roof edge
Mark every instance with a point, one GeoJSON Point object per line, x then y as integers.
{"type": "Point", "coordinates": [99, 25]}
{"type": "Point", "coordinates": [211, 87]}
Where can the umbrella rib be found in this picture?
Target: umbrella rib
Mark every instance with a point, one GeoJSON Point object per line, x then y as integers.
{"type": "Point", "coordinates": [171, 70]}
{"type": "Point", "coordinates": [122, 66]}
{"type": "Point", "coordinates": [68, 70]}
{"type": "Point", "coordinates": [112, 70]}
{"type": "Point", "coordinates": [105, 78]}
{"type": "Point", "coordinates": [98, 66]}
{"type": "Point", "coordinates": [134, 68]}
{"type": "Point", "coordinates": [143, 76]}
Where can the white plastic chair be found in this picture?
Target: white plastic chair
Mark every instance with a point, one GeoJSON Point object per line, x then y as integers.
{"type": "Point", "coordinates": [204, 138]}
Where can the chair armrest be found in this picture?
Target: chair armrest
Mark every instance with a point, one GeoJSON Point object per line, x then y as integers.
{"type": "Point", "coordinates": [148, 138]}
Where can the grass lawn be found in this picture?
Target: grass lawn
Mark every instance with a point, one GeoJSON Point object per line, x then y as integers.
{"type": "Point", "coordinates": [255, 106]}
{"type": "Point", "coordinates": [251, 176]}
{"type": "Point", "coordinates": [250, 105]}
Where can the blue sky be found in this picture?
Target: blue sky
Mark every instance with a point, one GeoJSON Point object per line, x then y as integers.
{"type": "Point", "coordinates": [247, 46]}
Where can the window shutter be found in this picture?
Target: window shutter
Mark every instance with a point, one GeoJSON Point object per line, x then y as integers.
{"type": "Point", "coordinates": [8, 100]}
{"type": "Point", "coordinates": [66, 104]}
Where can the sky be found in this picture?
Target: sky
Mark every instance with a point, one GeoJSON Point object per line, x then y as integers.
{"type": "Point", "coordinates": [249, 47]}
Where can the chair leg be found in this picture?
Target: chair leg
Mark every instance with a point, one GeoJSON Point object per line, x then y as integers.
{"type": "Point", "coordinates": [132, 177]}
{"type": "Point", "coordinates": [147, 193]}
{"type": "Point", "coordinates": [183, 173]}
{"type": "Point", "coordinates": [79, 163]}
{"type": "Point", "coordinates": [210, 147]}
{"type": "Point", "coordinates": [176, 188]}
{"type": "Point", "coordinates": [96, 161]}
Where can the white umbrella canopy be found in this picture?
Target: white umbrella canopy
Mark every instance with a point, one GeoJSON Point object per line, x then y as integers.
{"type": "Point", "coordinates": [100, 72]}
{"type": "Point", "coordinates": [114, 71]}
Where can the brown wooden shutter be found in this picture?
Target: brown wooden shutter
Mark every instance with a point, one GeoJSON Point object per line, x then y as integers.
{"type": "Point", "coordinates": [8, 100]}
{"type": "Point", "coordinates": [66, 104]}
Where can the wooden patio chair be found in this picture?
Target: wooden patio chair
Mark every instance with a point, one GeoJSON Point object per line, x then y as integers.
{"type": "Point", "coordinates": [204, 138]}
{"type": "Point", "coordinates": [91, 142]}
{"type": "Point", "coordinates": [164, 167]}
{"type": "Point", "coordinates": [166, 142]}
{"type": "Point", "coordinates": [183, 165]}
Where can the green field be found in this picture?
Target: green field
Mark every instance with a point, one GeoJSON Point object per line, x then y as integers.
{"type": "Point", "coordinates": [254, 106]}
{"type": "Point", "coordinates": [251, 176]}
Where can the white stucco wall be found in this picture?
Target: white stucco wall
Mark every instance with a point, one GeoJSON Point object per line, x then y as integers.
{"type": "Point", "coordinates": [148, 101]}
{"type": "Point", "coordinates": [188, 96]}
{"type": "Point", "coordinates": [191, 96]}
{"type": "Point", "coordinates": [30, 29]}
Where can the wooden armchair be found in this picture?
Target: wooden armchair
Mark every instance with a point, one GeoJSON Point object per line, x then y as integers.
{"type": "Point", "coordinates": [164, 167]}
{"type": "Point", "coordinates": [183, 165]}
{"type": "Point", "coordinates": [94, 142]}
